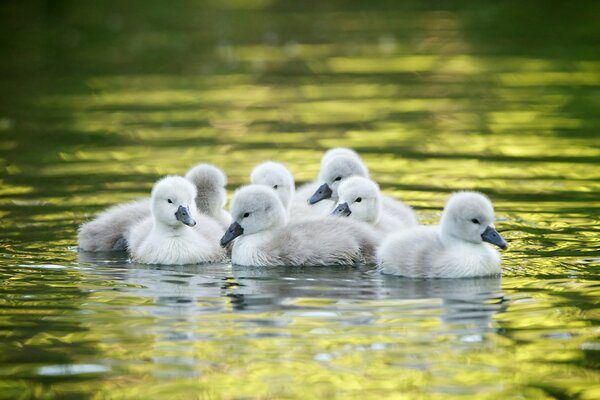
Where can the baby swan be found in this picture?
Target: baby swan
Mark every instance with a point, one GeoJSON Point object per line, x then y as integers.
{"type": "Point", "coordinates": [454, 249]}
{"type": "Point", "coordinates": [332, 174]}
{"type": "Point", "coordinates": [211, 196]}
{"type": "Point", "coordinates": [342, 167]}
{"type": "Point", "coordinates": [265, 238]}
{"type": "Point", "coordinates": [276, 176]}
{"type": "Point", "coordinates": [338, 151]}
{"type": "Point", "coordinates": [107, 231]}
{"type": "Point", "coordinates": [305, 191]}
{"type": "Point", "coordinates": [360, 199]}
{"type": "Point", "coordinates": [175, 234]}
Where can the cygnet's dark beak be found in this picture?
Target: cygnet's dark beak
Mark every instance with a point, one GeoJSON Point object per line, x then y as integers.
{"type": "Point", "coordinates": [232, 232]}
{"type": "Point", "coordinates": [492, 236]}
{"type": "Point", "coordinates": [323, 192]}
{"type": "Point", "coordinates": [183, 215]}
{"type": "Point", "coordinates": [342, 210]}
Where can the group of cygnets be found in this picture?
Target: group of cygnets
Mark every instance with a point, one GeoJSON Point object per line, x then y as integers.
{"type": "Point", "coordinates": [340, 218]}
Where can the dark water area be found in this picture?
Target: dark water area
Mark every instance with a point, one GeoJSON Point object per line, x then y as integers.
{"type": "Point", "coordinates": [100, 99]}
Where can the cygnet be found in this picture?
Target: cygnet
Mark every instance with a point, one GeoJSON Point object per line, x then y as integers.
{"type": "Point", "coordinates": [305, 191]}
{"type": "Point", "coordinates": [106, 231]}
{"type": "Point", "coordinates": [211, 196]}
{"type": "Point", "coordinates": [175, 234]}
{"type": "Point", "coordinates": [265, 238]}
{"type": "Point", "coordinates": [276, 176]}
{"type": "Point", "coordinates": [360, 198]}
{"type": "Point", "coordinates": [342, 167]}
{"type": "Point", "coordinates": [454, 249]}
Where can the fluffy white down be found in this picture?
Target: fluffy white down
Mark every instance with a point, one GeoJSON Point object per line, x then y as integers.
{"type": "Point", "coordinates": [342, 165]}
{"type": "Point", "coordinates": [277, 177]}
{"type": "Point", "coordinates": [269, 240]}
{"type": "Point", "coordinates": [103, 232]}
{"type": "Point", "coordinates": [163, 239]}
{"type": "Point", "coordinates": [453, 249]}
{"type": "Point", "coordinates": [300, 205]}
{"type": "Point", "coordinates": [339, 168]}
{"type": "Point", "coordinates": [211, 196]}
{"type": "Point", "coordinates": [364, 200]}
{"type": "Point", "coordinates": [338, 151]}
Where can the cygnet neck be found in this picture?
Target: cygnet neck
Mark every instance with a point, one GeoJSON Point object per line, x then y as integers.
{"type": "Point", "coordinates": [169, 230]}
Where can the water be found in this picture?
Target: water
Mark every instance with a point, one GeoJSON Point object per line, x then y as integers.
{"type": "Point", "coordinates": [100, 99]}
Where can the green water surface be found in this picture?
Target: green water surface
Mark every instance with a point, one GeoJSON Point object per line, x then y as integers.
{"type": "Point", "coordinates": [99, 99]}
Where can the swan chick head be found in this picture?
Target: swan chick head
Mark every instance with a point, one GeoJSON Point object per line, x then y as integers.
{"type": "Point", "coordinates": [210, 184]}
{"type": "Point", "coordinates": [206, 174]}
{"type": "Point", "coordinates": [359, 198]}
{"type": "Point", "coordinates": [469, 216]}
{"type": "Point", "coordinates": [254, 208]}
{"type": "Point", "coordinates": [333, 173]}
{"type": "Point", "coordinates": [276, 176]}
{"type": "Point", "coordinates": [173, 202]}
{"type": "Point", "coordinates": [338, 151]}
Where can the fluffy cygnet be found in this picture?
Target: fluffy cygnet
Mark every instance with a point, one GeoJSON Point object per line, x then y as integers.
{"type": "Point", "coordinates": [341, 167]}
{"type": "Point", "coordinates": [276, 176]}
{"type": "Point", "coordinates": [265, 238]}
{"type": "Point", "coordinates": [106, 231]}
{"type": "Point", "coordinates": [360, 199]}
{"type": "Point", "coordinates": [211, 196]}
{"type": "Point", "coordinates": [331, 175]}
{"type": "Point", "coordinates": [454, 249]}
{"type": "Point", "coordinates": [306, 191]}
{"type": "Point", "coordinates": [338, 151]}
{"type": "Point", "coordinates": [175, 234]}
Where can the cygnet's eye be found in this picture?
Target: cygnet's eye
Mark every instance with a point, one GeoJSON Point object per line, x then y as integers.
{"type": "Point", "coordinates": [475, 221]}
{"type": "Point", "coordinates": [170, 201]}
{"type": "Point", "coordinates": [358, 200]}
{"type": "Point", "coordinates": [246, 215]}
{"type": "Point", "coordinates": [339, 178]}
{"type": "Point", "coordinates": [275, 187]}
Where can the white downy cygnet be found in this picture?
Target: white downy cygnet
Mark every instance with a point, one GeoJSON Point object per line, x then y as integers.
{"type": "Point", "coordinates": [106, 231]}
{"type": "Point", "coordinates": [175, 234]}
{"type": "Point", "coordinates": [265, 238]}
{"type": "Point", "coordinates": [306, 190]}
{"type": "Point", "coordinates": [211, 196]}
{"type": "Point", "coordinates": [360, 198]}
{"type": "Point", "coordinates": [338, 151]}
{"type": "Point", "coordinates": [330, 176]}
{"type": "Point", "coordinates": [276, 176]}
{"type": "Point", "coordinates": [342, 167]}
{"type": "Point", "coordinates": [454, 249]}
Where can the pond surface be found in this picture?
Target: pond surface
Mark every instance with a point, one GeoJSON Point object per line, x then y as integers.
{"type": "Point", "coordinates": [99, 99]}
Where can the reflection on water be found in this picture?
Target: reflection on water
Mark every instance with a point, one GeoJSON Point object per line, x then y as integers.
{"type": "Point", "coordinates": [501, 98]}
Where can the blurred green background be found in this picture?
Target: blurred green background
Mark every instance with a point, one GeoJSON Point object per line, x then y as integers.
{"type": "Point", "coordinates": [100, 98]}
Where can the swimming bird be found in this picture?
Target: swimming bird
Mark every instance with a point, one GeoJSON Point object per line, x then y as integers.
{"type": "Point", "coordinates": [359, 198]}
{"type": "Point", "coordinates": [306, 190]}
{"type": "Point", "coordinates": [454, 249]}
{"type": "Point", "coordinates": [332, 174]}
{"type": "Point", "coordinates": [106, 231]}
{"type": "Point", "coordinates": [339, 151]}
{"type": "Point", "coordinates": [263, 236]}
{"type": "Point", "coordinates": [276, 176]}
{"type": "Point", "coordinates": [341, 167]}
{"type": "Point", "coordinates": [210, 184]}
{"type": "Point", "coordinates": [175, 234]}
